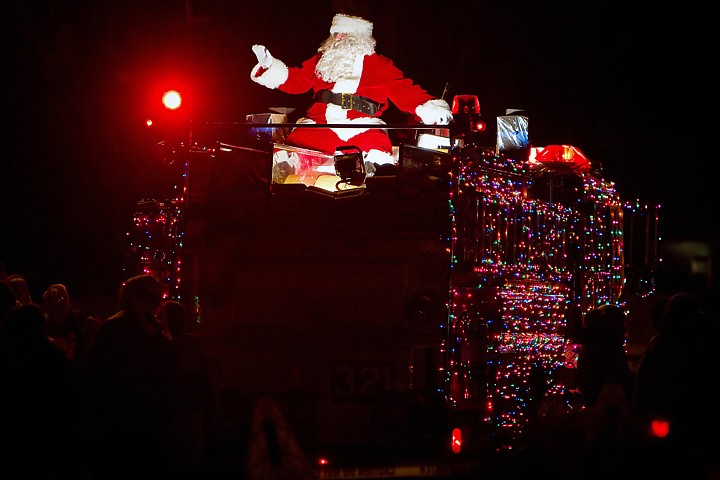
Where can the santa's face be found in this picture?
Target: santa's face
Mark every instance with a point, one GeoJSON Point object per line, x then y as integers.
{"type": "Point", "coordinates": [341, 41]}
{"type": "Point", "coordinates": [340, 50]}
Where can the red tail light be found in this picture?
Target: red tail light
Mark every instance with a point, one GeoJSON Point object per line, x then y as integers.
{"type": "Point", "coordinates": [456, 441]}
{"type": "Point", "coordinates": [660, 428]}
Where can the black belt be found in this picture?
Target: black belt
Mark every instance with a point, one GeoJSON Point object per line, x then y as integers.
{"type": "Point", "coordinates": [348, 101]}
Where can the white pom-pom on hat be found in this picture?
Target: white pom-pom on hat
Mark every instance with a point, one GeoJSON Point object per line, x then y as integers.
{"type": "Point", "coordinates": [348, 24]}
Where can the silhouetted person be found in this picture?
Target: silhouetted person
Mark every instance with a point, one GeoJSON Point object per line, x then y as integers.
{"type": "Point", "coordinates": [69, 328]}
{"type": "Point", "coordinates": [606, 383]}
{"type": "Point", "coordinates": [41, 401]}
{"type": "Point", "coordinates": [7, 299]}
{"type": "Point", "coordinates": [674, 381]}
{"type": "Point", "coordinates": [176, 318]}
{"type": "Point", "coordinates": [662, 374]}
{"type": "Point", "coordinates": [600, 438]}
{"type": "Point", "coordinates": [603, 357]}
{"type": "Point", "coordinates": [20, 286]}
{"type": "Point", "coordinates": [132, 371]}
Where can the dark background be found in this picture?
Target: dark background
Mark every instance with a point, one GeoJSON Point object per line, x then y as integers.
{"type": "Point", "coordinates": [626, 86]}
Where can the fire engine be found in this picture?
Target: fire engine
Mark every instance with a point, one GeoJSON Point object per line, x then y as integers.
{"type": "Point", "coordinates": [388, 325]}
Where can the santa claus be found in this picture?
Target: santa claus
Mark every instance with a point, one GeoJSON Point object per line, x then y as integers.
{"type": "Point", "coordinates": [352, 85]}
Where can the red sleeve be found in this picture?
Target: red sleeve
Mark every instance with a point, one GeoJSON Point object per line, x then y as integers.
{"type": "Point", "coordinates": [301, 79]}
{"type": "Point", "coordinates": [402, 91]}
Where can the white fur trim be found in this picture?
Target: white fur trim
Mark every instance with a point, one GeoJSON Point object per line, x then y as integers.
{"type": "Point", "coordinates": [381, 158]}
{"type": "Point", "coordinates": [434, 112]}
{"type": "Point", "coordinates": [335, 114]}
{"type": "Point", "coordinates": [350, 84]}
{"type": "Point", "coordinates": [346, 134]}
{"type": "Point", "coordinates": [348, 24]}
{"type": "Point", "coordinates": [273, 77]}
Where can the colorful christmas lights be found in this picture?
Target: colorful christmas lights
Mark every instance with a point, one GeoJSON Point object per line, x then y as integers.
{"type": "Point", "coordinates": [522, 261]}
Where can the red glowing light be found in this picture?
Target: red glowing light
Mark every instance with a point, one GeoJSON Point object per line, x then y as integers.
{"type": "Point", "coordinates": [172, 99]}
{"type": "Point", "coordinates": [465, 104]}
{"type": "Point", "coordinates": [660, 428]}
{"type": "Point", "coordinates": [322, 461]}
{"type": "Point", "coordinates": [562, 154]}
{"type": "Point", "coordinates": [456, 441]}
{"type": "Point", "coordinates": [478, 127]}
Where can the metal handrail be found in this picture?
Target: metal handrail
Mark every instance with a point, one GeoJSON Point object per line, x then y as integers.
{"type": "Point", "coordinates": [320, 125]}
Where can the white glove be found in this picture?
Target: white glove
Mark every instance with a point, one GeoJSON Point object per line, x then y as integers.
{"type": "Point", "coordinates": [444, 118]}
{"type": "Point", "coordinates": [263, 56]}
{"type": "Point", "coordinates": [434, 112]}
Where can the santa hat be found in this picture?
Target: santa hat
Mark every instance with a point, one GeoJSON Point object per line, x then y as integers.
{"type": "Point", "coordinates": [348, 24]}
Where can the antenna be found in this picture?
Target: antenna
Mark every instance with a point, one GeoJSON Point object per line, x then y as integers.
{"type": "Point", "coordinates": [445, 90]}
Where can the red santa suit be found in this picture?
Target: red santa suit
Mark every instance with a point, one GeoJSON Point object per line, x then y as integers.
{"type": "Point", "coordinates": [373, 83]}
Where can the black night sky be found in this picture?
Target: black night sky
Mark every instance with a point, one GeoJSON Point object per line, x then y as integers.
{"type": "Point", "coordinates": [81, 76]}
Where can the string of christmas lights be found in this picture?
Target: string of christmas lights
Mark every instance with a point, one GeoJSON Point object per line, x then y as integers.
{"type": "Point", "coordinates": [521, 262]}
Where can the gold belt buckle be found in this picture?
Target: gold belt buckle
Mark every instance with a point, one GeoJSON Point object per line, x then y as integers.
{"type": "Point", "coordinates": [346, 101]}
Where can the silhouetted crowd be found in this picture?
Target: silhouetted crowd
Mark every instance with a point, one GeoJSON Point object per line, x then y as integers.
{"type": "Point", "coordinates": [122, 397]}
{"type": "Point", "coordinates": [129, 395]}
{"type": "Point", "coordinates": [645, 422]}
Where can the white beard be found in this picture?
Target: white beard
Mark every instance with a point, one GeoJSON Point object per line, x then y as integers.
{"type": "Point", "coordinates": [338, 58]}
